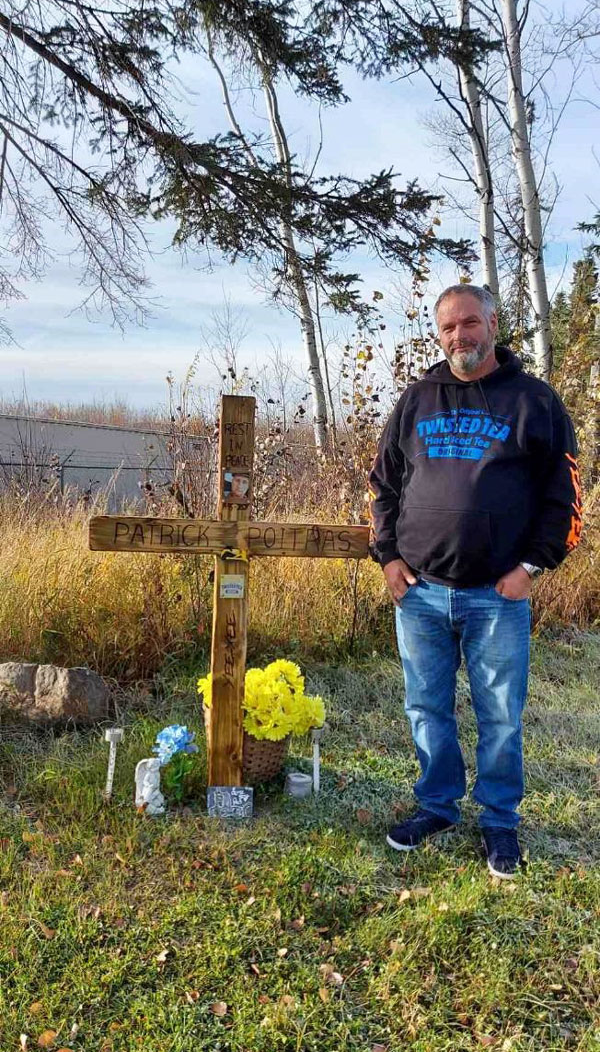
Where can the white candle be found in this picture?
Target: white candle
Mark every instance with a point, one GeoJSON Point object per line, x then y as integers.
{"type": "Point", "coordinates": [112, 735]}
{"type": "Point", "coordinates": [316, 737]}
{"type": "Point", "coordinates": [298, 785]}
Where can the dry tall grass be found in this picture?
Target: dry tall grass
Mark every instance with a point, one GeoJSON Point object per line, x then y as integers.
{"type": "Point", "coordinates": [61, 603]}
{"type": "Point", "coordinates": [126, 615]}
{"type": "Point", "coordinates": [571, 595]}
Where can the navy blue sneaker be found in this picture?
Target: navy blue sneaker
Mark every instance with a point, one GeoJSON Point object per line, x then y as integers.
{"type": "Point", "coordinates": [503, 852]}
{"type": "Point", "coordinates": [410, 834]}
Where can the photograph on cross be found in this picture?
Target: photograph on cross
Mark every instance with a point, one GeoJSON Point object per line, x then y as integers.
{"type": "Point", "coordinates": [236, 487]}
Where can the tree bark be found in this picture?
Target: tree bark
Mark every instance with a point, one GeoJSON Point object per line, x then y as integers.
{"type": "Point", "coordinates": [296, 277]}
{"type": "Point", "coordinates": [534, 256]}
{"type": "Point", "coordinates": [591, 462]}
{"type": "Point", "coordinates": [319, 329]}
{"type": "Point", "coordinates": [481, 166]}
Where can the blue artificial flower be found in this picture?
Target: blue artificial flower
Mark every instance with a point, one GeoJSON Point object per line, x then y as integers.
{"type": "Point", "coordinates": [173, 739]}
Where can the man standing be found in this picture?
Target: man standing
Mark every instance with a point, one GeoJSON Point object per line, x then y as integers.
{"type": "Point", "coordinates": [475, 490]}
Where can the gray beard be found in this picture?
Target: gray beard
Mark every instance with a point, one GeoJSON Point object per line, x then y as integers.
{"type": "Point", "coordinates": [469, 361]}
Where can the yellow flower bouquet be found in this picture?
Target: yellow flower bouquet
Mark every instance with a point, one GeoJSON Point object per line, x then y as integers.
{"type": "Point", "coordinates": [275, 703]}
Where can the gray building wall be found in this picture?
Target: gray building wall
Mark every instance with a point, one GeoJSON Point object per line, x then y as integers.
{"type": "Point", "coordinates": [89, 457]}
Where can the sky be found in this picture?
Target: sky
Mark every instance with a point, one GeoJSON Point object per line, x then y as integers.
{"type": "Point", "coordinates": [61, 355]}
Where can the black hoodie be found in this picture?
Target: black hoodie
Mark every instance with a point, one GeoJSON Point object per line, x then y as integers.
{"type": "Point", "coordinates": [472, 478]}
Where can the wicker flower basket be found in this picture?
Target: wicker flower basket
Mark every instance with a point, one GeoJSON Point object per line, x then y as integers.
{"type": "Point", "coordinates": [261, 760]}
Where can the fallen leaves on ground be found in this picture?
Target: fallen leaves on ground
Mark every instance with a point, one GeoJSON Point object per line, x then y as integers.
{"type": "Point", "coordinates": [219, 1008]}
{"type": "Point", "coordinates": [202, 863]}
{"type": "Point", "coordinates": [413, 893]}
{"type": "Point", "coordinates": [330, 975]}
{"type": "Point", "coordinates": [420, 893]}
{"type": "Point", "coordinates": [47, 1039]}
{"type": "Point", "coordinates": [85, 911]}
{"type": "Point", "coordinates": [363, 816]}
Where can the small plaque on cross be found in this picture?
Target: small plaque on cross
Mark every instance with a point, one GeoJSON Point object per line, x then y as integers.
{"type": "Point", "coordinates": [232, 586]}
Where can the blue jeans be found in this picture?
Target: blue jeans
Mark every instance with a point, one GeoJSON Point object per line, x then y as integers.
{"type": "Point", "coordinates": [433, 625]}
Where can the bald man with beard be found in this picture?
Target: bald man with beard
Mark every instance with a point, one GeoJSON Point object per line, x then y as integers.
{"type": "Point", "coordinates": [474, 492]}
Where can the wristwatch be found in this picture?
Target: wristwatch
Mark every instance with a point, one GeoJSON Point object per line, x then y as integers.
{"type": "Point", "coordinates": [533, 571]}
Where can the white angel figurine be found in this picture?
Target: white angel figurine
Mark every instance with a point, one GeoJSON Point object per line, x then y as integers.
{"type": "Point", "coordinates": [147, 787]}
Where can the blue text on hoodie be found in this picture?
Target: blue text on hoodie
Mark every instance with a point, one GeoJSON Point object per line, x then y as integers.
{"type": "Point", "coordinates": [473, 477]}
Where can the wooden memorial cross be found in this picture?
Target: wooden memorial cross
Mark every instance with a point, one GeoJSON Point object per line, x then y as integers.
{"type": "Point", "coordinates": [233, 538]}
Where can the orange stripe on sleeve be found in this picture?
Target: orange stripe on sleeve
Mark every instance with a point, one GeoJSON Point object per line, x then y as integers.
{"type": "Point", "coordinates": [576, 525]}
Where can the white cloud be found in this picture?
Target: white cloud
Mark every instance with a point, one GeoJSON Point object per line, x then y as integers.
{"type": "Point", "coordinates": [63, 355]}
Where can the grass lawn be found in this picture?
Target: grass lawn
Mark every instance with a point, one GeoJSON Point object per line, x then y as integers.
{"type": "Point", "coordinates": [301, 930]}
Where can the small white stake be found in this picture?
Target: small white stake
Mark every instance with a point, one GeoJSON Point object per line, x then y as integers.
{"type": "Point", "coordinates": [317, 733]}
{"type": "Point", "coordinates": [112, 735]}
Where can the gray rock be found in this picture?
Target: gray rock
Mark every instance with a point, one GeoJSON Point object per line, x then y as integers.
{"type": "Point", "coordinates": [44, 692]}
{"type": "Point", "coordinates": [70, 693]}
{"type": "Point", "coordinates": [17, 687]}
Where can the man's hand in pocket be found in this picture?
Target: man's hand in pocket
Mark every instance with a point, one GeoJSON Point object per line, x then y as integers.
{"type": "Point", "coordinates": [515, 585]}
{"type": "Point", "coordinates": [398, 577]}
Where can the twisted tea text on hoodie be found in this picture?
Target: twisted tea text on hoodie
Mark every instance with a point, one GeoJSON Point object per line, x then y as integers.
{"type": "Point", "coordinates": [465, 435]}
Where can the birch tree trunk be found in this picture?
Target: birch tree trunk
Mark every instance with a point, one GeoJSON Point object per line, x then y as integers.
{"type": "Point", "coordinates": [534, 258]}
{"type": "Point", "coordinates": [296, 277]}
{"type": "Point", "coordinates": [331, 406]}
{"type": "Point", "coordinates": [592, 460]}
{"type": "Point", "coordinates": [481, 166]}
